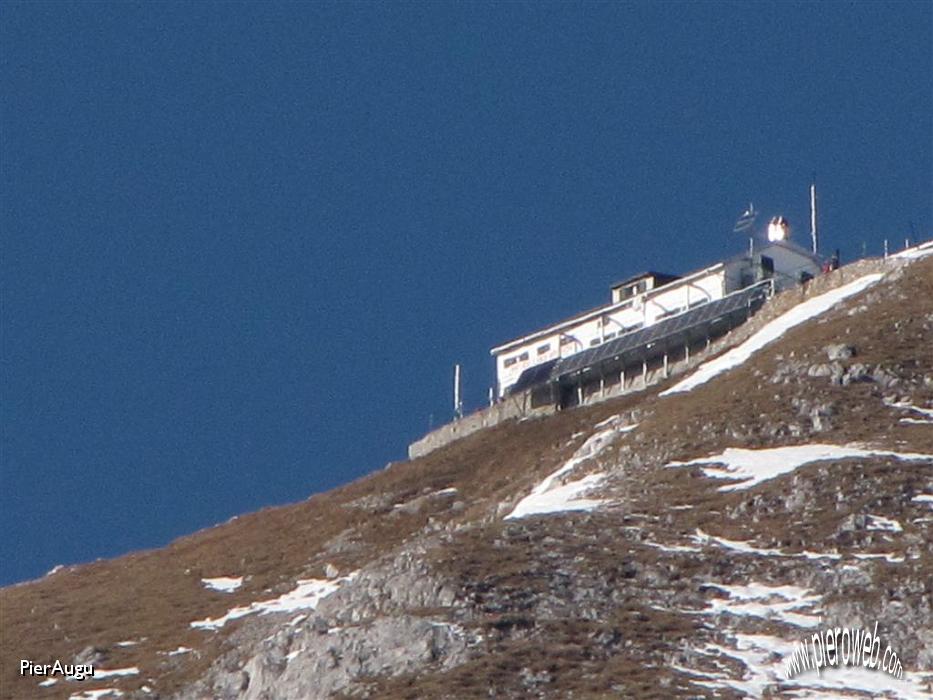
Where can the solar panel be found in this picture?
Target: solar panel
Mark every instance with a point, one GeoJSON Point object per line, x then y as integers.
{"type": "Point", "coordinates": [533, 375]}
{"type": "Point", "coordinates": [658, 332]}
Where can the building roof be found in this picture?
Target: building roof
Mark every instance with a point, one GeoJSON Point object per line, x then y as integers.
{"type": "Point", "coordinates": [787, 244]}
{"type": "Point", "coordinates": [587, 315]}
{"type": "Point", "coordinates": [662, 277]}
{"type": "Point", "coordinates": [599, 310]}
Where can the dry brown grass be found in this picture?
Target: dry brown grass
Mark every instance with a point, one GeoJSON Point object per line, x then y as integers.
{"type": "Point", "coordinates": [156, 594]}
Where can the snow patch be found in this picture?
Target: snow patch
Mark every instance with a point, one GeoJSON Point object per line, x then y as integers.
{"type": "Point", "coordinates": [305, 596]}
{"type": "Point", "coordinates": [224, 584]}
{"type": "Point", "coordinates": [907, 406]}
{"type": "Point", "coordinates": [607, 421]}
{"type": "Point", "coordinates": [927, 413]}
{"type": "Point", "coordinates": [595, 444]}
{"type": "Point", "coordinates": [180, 650]}
{"type": "Point", "coordinates": [672, 547]}
{"type": "Point", "coordinates": [923, 498]}
{"type": "Point", "coordinates": [764, 657]}
{"type": "Point", "coordinates": [782, 603]}
{"type": "Point", "coordinates": [752, 467]}
{"type": "Point", "coordinates": [771, 332]}
{"type": "Point", "coordinates": [560, 499]}
{"type": "Point", "coordinates": [755, 652]}
{"type": "Point", "coordinates": [100, 673]}
{"type": "Point", "coordinates": [548, 498]}
{"type": "Point", "coordinates": [746, 548]}
{"type": "Point", "coordinates": [887, 556]}
{"type": "Point", "coordinates": [915, 253]}
{"type": "Point", "coordinates": [877, 522]}
{"type": "Point", "coordinates": [48, 683]}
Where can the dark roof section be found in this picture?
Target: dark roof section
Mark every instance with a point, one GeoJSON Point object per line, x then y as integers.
{"type": "Point", "coordinates": [660, 277]}
{"type": "Point", "coordinates": [533, 375]}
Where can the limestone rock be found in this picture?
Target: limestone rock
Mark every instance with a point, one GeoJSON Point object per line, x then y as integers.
{"type": "Point", "coordinates": [839, 351]}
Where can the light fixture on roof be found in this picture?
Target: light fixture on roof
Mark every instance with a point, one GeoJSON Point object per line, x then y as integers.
{"type": "Point", "coordinates": [778, 229]}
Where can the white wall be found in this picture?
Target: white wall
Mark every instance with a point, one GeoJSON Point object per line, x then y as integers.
{"type": "Point", "coordinates": [789, 263]}
{"type": "Point", "coordinates": [733, 273]}
{"type": "Point", "coordinates": [678, 296]}
{"type": "Point", "coordinates": [508, 375]}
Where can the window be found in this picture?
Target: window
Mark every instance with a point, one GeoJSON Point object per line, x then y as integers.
{"type": "Point", "coordinates": [509, 361]}
{"type": "Point", "coordinates": [594, 341]}
{"type": "Point", "coordinates": [767, 266]}
{"type": "Point", "coordinates": [544, 348]}
{"type": "Point", "coordinates": [610, 336]}
{"type": "Point", "coordinates": [523, 357]}
{"type": "Point", "coordinates": [566, 340]}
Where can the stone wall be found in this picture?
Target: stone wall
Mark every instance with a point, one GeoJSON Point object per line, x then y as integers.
{"type": "Point", "coordinates": [518, 406]}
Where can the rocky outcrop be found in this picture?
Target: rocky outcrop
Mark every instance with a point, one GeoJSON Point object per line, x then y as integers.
{"type": "Point", "coordinates": [392, 618]}
{"type": "Point", "coordinates": [311, 660]}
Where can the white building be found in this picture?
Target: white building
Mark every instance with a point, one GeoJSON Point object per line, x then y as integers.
{"type": "Point", "coordinates": [644, 300]}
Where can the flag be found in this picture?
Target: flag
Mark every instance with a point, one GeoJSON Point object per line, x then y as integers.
{"type": "Point", "coordinates": [747, 220]}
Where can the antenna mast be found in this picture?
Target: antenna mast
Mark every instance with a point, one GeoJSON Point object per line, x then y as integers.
{"type": "Point", "coordinates": [813, 234]}
{"type": "Point", "coordinates": [458, 402]}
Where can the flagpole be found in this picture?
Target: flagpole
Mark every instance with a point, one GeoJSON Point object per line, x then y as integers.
{"type": "Point", "coordinates": [745, 223]}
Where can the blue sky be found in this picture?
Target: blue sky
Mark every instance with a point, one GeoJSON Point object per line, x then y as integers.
{"type": "Point", "coordinates": [244, 244]}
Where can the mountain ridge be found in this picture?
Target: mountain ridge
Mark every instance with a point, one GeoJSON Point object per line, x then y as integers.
{"type": "Point", "coordinates": [444, 597]}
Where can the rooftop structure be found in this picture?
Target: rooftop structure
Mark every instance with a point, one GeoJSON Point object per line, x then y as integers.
{"type": "Point", "coordinates": [638, 284]}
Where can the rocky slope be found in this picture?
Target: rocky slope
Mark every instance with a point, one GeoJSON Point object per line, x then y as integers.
{"type": "Point", "coordinates": [674, 544]}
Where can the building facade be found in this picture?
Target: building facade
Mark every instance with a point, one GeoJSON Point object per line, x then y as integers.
{"type": "Point", "coordinates": [645, 300]}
